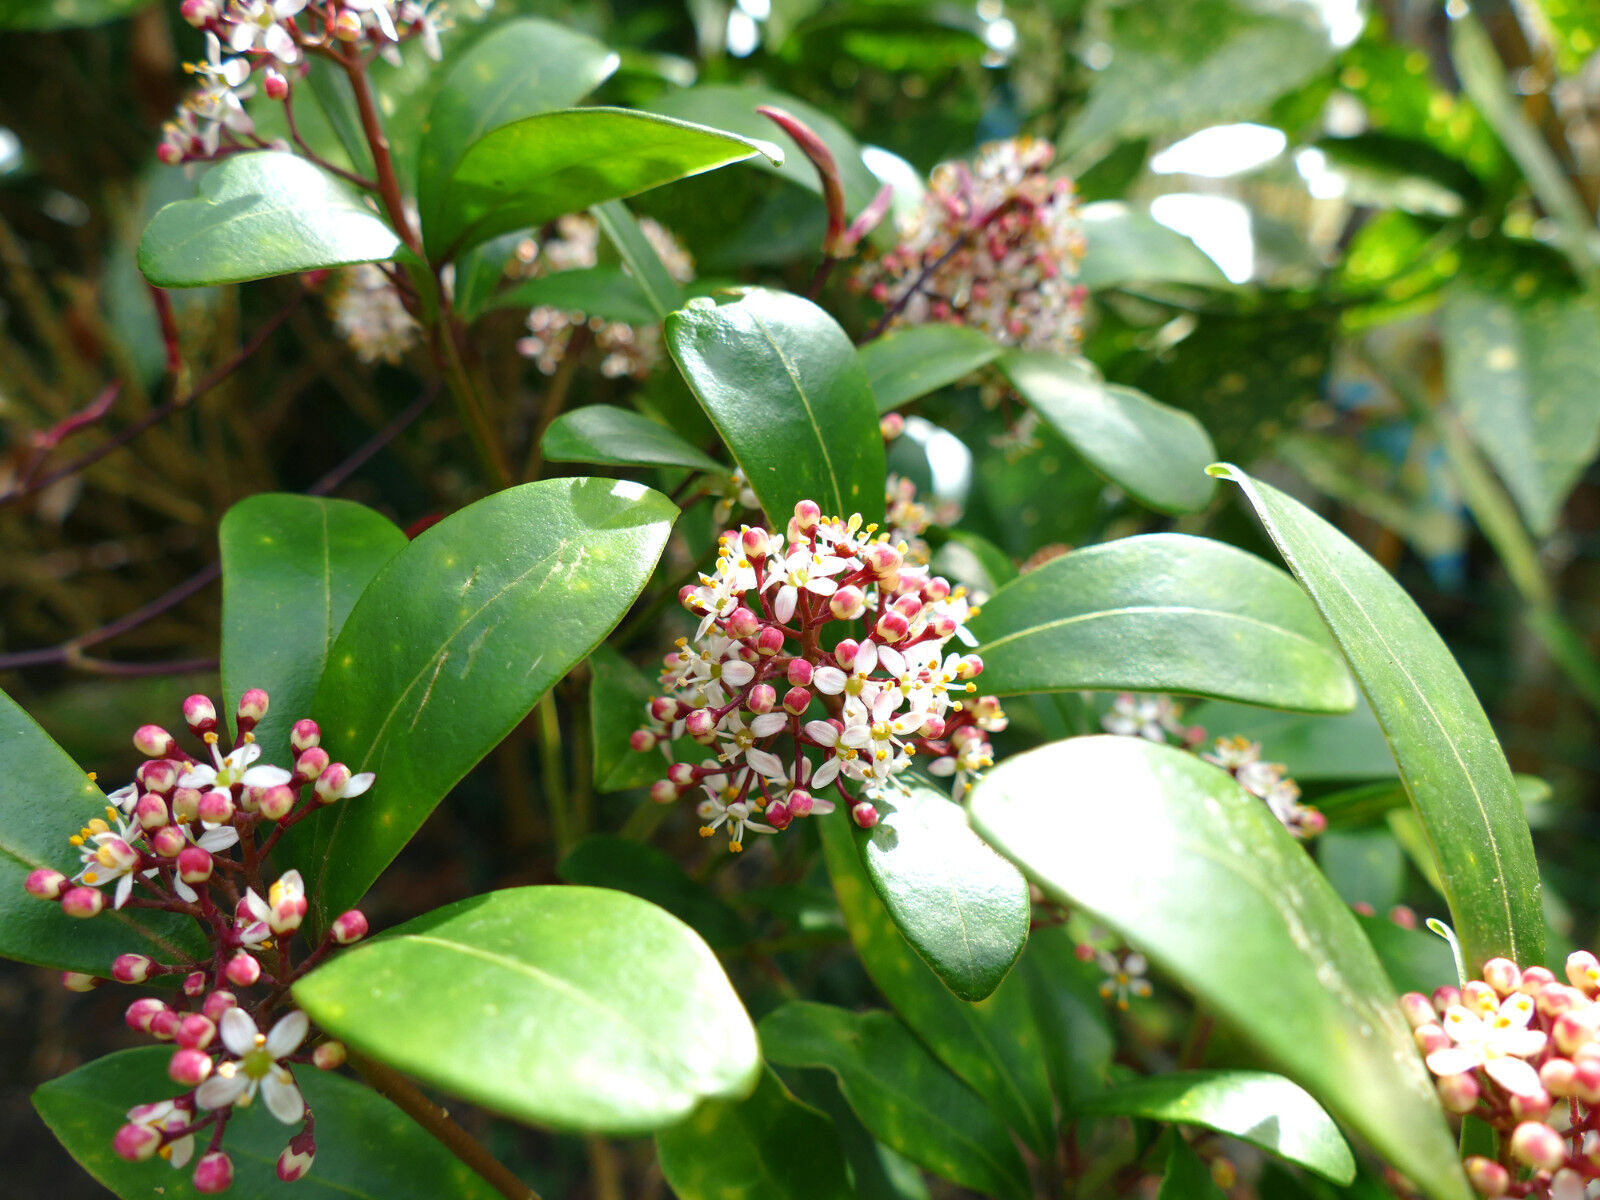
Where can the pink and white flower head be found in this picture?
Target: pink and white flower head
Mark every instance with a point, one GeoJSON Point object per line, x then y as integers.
{"type": "Point", "coordinates": [255, 1066]}
{"type": "Point", "coordinates": [233, 768]}
{"type": "Point", "coordinates": [263, 25]}
{"type": "Point", "coordinates": [1498, 1041]}
{"type": "Point", "coordinates": [107, 851]}
{"type": "Point", "coordinates": [283, 909]}
{"type": "Point", "coordinates": [160, 1118]}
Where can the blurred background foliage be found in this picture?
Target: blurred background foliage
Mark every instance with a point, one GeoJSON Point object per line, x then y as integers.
{"type": "Point", "coordinates": [1358, 241]}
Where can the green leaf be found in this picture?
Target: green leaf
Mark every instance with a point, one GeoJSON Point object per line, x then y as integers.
{"type": "Point", "coordinates": [63, 14]}
{"type": "Point", "coordinates": [767, 1147]}
{"type": "Point", "coordinates": [261, 214]}
{"type": "Point", "coordinates": [660, 290]}
{"type": "Point", "coordinates": [1263, 1109]}
{"type": "Point", "coordinates": [612, 861]}
{"type": "Point", "coordinates": [367, 1149]}
{"type": "Point", "coordinates": [904, 1097]}
{"type": "Point", "coordinates": [1162, 612]}
{"type": "Point", "coordinates": [292, 568]}
{"type": "Point", "coordinates": [1083, 817]}
{"type": "Point", "coordinates": [1072, 1015]}
{"type": "Point", "coordinates": [539, 167]}
{"type": "Point", "coordinates": [1187, 1177]}
{"type": "Point", "coordinates": [602, 433]}
{"type": "Point", "coordinates": [1156, 453]}
{"type": "Point", "coordinates": [605, 292]}
{"type": "Point", "coordinates": [618, 694]}
{"type": "Point", "coordinates": [1523, 376]}
{"type": "Point", "coordinates": [992, 1046]}
{"type": "Point", "coordinates": [1185, 64]}
{"type": "Point", "coordinates": [1453, 768]}
{"type": "Point", "coordinates": [910, 363]}
{"type": "Point", "coordinates": [47, 798]}
{"type": "Point", "coordinates": [1313, 747]}
{"type": "Point", "coordinates": [960, 905]}
{"type": "Point", "coordinates": [782, 383]}
{"type": "Point", "coordinates": [453, 643]}
{"type": "Point", "coordinates": [524, 67]}
{"type": "Point", "coordinates": [1364, 865]}
{"type": "Point", "coordinates": [1127, 245]}
{"type": "Point", "coordinates": [1386, 170]}
{"type": "Point", "coordinates": [570, 1007]}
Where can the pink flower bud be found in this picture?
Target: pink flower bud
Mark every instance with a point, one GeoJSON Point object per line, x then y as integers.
{"type": "Point", "coordinates": [143, 1011]}
{"type": "Point", "coordinates": [309, 765]}
{"type": "Point", "coordinates": [276, 802]}
{"type": "Point", "coordinates": [1401, 914]}
{"type": "Point", "coordinates": [44, 883]}
{"type": "Point", "coordinates": [1459, 1093]}
{"type": "Point", "coordinates": [328, 1056]}
{"type": "Point", "coordinates": [884, 560]}
{"type": "Point", "coordinates": [909, 607]}
{"type": "Point", "coordinates": [304, 734]}
{"type": "Point", "coordinates": [252, 707]}
{"type": "Point", "coordinates": [864, 814]}
{"type": "Point", "coordinates": [158, 775]}
{"type": "Point", "coordinates": [152, 741]}
{"type": "Point", "coordinates": [242, 970]}
{"type": "Point", "coordinates": [778, 815]}
{"type": "Point", "coordinates": [1559, 1077]}
{"type": "Point", "coordinates": [1536, 978]}
{"type": "Point", "coordinates": [755, 541]}
{"type": "Point", "coordinates": [131, 968]}
{"type": "Point", "coordinates": [1418, 1009]}
{"type": "Point", "coordinates": [1583, 971]}
{"type": "Point", "coordinates": [1574, 1029]}
{"type": "Point", "coordinates": [1488, 1177]}
{"type": "Point", "coordinates": [942, 627]}
{"type": "Point", "coordinates": [642, 741]}
{"type": "Point", "coordinates": [800, 803]}
{"type": "Point", "coordinates": [218, 1003]}
{"type": "Point", "coordinates": [168, 841]}
{"type": "Point", "coordinates": [296, 1158]}
{"type": "Point", "coordinates": [186, 805]}
{"type": "Point", "coordinates": [796, 700]}
{"type": "Point", "coordinates": [1363, 908]}
{"type": "Point", "coordinates": [700, 724]}
{"type": "Point", "coordinates": [687, 598]}
{"type": "Point", "coordinates": [806, 515]}
{"type": "Point", "coordinates": [169, 154]}
{"type": "Point", "coordinates": [82, 902]}
{"type": "Point", "coordinates": [1536, 1144]}
{"type": "Point", "coordinates": [214, 1172]}
{"type": "Point", "coordinates": [848, 603]}
{"type": "Point", "coordinates": [933, 727]}
{"type": "Point", "coordinates": [1555, 998]}
{"type": "Point", "coordinates": [347, 26]}
{"type": "Point", "coordinates": [891, 425]}
{"type": "Point", "coordinates": [769, 641]}
{"type": "Point", "coordinates": [331, 783]}
{"type": "Point", "coordinates": [892, 627]}
{"type": "Point", "coordinates": [799, 672]}
{"type": "Point", "coordinates": [164, 1025]}
{"type": "Point", "coordinates": [937, 588]}
{"type": "Point", "coordinates": [1502, 975]}
{"type": "Point", "coordinates": [194, 864]}
{"type": "Point", "coordinates": [195, 1031]}
{"type": "Point", "coordinates": [189, 1067]}
{"type": "Point", "coordinates": [136, 1143]}
{"type": "Point", "coordinates": [664, 709]}
{"type": "Point", "coordinates": [1586, 1080]}
{"type": "Point", "coordinates": [742, 623]}
{"type": "Point", "coordinates": [1534, 1106]}
{"type": "Point", "coordinates": [845, 653]}
{"type": "Point", "coordinates": [151, 811]}
{"type": "Point", "coordinates": [1444, 996]}
{"type": "Point", "coordinates": [762, 698]}
{"type": "Point", "coordinates": [77, 981]}
{"type": "Point", "coordinates": [1430, 1037]}
{"type": "Point", "coordinates": [1479, 996]}
{"type": "Point", "coordinates": [215, 807]}
{"type": "Point", "coordinates": [349, 927]}
{"type": "Point", "coordinates": [274, 84]}
{"type": "Point", "coordinates": [194, 983]}
{"type": "Point", "coordinates": [200, 715]}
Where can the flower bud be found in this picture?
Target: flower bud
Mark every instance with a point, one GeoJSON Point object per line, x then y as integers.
{"type": "Point", "coordinates": [845, 653]}
{"type": "Point", "coordinates": [688, 597]}
{"type": "Point", "coordinates": [1586, 1080]}
{"type": "Point", "coordinates": [769, 641]}
{"type": "Point", "coordinates": [136, 1143]}
{"type": "Point", "coordinates": [1532, 1106]}
{"type": "Point", "coordinates": [700, 724]}
{"type": "Point", "coordinates": [218, 1003]}
{"type": "Point", "coordinates": [1575, 1028]}
{"type": "Point", "coordinates": [864, 814]}
{"type": "Point", "coordinates": [892, 627]}
{"type": "Point", "coordinates": [158, 775]}
{"type": "Point", "coordinates": [82, 902]}
{"type": "Point", "coordinates": [1559, 1077]}
{"type": "Point", "coordinates": [796, 700]}
{"type": "Point", "coordinates": [131, 968]}
{"type": "Point", "coordinates": [349, 927]}
{"type": "Point", "coordinates": [942, 627]}
{"type": "Point", "coordinates": [1488, 1177]}
{"type": "Point", "coordinates": [214, 1172]}
{"type": "Point", "coordinates": [77, 981]}
{"type": "Point", "coordinates": [742, 623]}
{"type": "Point", "coordinates": [1555, 998]}
{"type": "Point", "coordinates": [1502, 975]}
{"type": "Point", "coordinates": [799, 803]}
{"type": "Point", "coordinates": [215, 807]}
{"type": "Point", "coordinates": [141, 1012]}
{"type": "Point", "coordinates": [195, 1031]}
{"type": "Point", "coordinates": [304, 734]}
{"type": "Point", "coordinates": [276, 802]}
{"type": "Point", "coordinates": [908, 607]}
{"type": "Point", "coordinates": [778, 815]}
{"type": "Point", "coordinates": [296, 1158]}
{"type": "Point", "coordinates": [933, 727]}
{"type": "Point", "coordinates": [194, 864]}
{"type": "Point", "coordinates": [1535, 979]}
{"type": "Point", "coordinates": [1583, 971]}
{"type": "Point", "coordinates": [200, 715]}
{"type": "Point", "coordinates": [328, 1056]}
{"type": "Point", "coordinates": [1418, 1009]}
{"type": "Point", "coordinates": [331, 783]}
{"type": "Point", "coordinates": [186, 804]}
{"type": "Point", "coordinates": [891, 425]}
{"type": "Point", "coordinates": [274, 84]}
{"type": "Point", "coordinates": [164, 1025]}
{"type": "Point", "coordinates": [883, 560]}
{"type": "Point", "coordinates": [310, 765]}
{"type": "Point", "coordinates": [1536, 1144]}
{"type": "Point", "coordinates": [1402, 915]}
{"type": "Point", "coordinates": [1430, 1037]}
{"type": "Point", "coordinates": [168, 841]}
{"type": "Point", "coordinates": [755, 541]}
{"type": "Point", "coordinates": [1459, 1093]}
{"type": "Point", "coordinates": [806, 515]}
{"type": "Point", "coordinates": [150, 811]}
{"type": "Point", "coordinates": [252, 707]}
{"type": "Point", "coordinates": [45, 883]}
{"type": "Point", "coordinates": [189, 1067]}
{"type": "Point", "coordinates": [848, 603]}
{"type": "Point", "coordinates": [194, 983]}
{"type": "Point", "coordinates": [762, 698]}
{"type": "Point", "coordinates": [242, 970]}
{"type": "Point", "coordinates": [152, 741]}
{"type": "Point", "coordinates": [799, 672]}
{"type": "Point", "coordinates": [1479, 997]}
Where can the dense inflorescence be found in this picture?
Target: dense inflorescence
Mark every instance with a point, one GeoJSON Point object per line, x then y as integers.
{"type": "Point", "coordinates": [190, 836]}
{"type": "Point", "coordinates": [793, 706]}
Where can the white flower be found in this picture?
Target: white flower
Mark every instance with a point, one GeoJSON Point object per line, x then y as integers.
{"type": "Point", "coordinates": [804, 571]}
{"type": "Point", "coordinates": [832, 681]}
{"type": "Point", "coordinates": [1124, 977]}
{"type": "Point", "coordinates": [1497, 1042]}
{"type": "Point", "coordinates": [105, 848]}
{"type": "Point", "coordinates": [125, 797]}
{"type": "Point", "coordinates": [233, 768]}
{"type": "Point", "coordinates": [257, 1066]}
{"type": "Point", "coordinates": [1149, 717]}
{"type": "Point", "coordinates": [368, 313]}
{"type": "Point", "coordinates": [162, 1116]}
{"type": "Point", "coordinates": [257, 26]}
{"type": "Point", "coordinates": [231, 72]}
{"type": "Point", "coordinates": [736, 814]}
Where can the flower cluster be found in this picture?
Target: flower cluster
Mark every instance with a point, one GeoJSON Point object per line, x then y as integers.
{"type": "Point", "coordinates": [189, 836]}
{"type": "Point", "coordinates": [271, 38]}
{"type": "Point", "coordinates": [789, 718]}
{"type": "Point", "coordinates": [626, 350]}
{"type": "Point", "coordinates": [995, 246]}
{"type": "Point", "coordinates": [1506, 1049]}
{"type": "Point", "coordinates": [369, 315]}
{"type": "Point", "coordinates": [1270, 782]}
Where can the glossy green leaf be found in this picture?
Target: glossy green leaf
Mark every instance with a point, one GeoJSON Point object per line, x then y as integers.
{"type": "Point", "coordinates": [905, 1098]}
{"type": "Point", "coordinates": [782, 383]}
{"type": "Point", "coordinates": [1161, 612]}
{"type": "Point", "coordinates": [1127, 245]}
{"type": "Point", "coordinates": [610, 860]}
{"type": "Point", "coordinates": [1258, 1107]}
{"type": "Point", "coordinates": [523, 67]}
{"type": "Point", "coordinates": [1312, 746]}
{"type": "Point", "coordinates": [1157, 454]}
{"type": "Point", "coordinates": [1364, 865]}
{"type": "Point", "coordinates": [960, 905]}
{"type": "Point", "coordinates": [766, 1147]}
{"type": "Point", "coordinates": [1524, 377]}
{"type": "Point", "coordinates": [1187, 1177]}
{"type": "Point", "coordinates": [367, 1149]}
{"type": "Point", "coordinates": [1074, 1019]}
{"type": "Point", "coordinates": [608, 293]}
{"type": "Point", "coordinates": [1453, 768]}
{"type": "Point", "coordinates": [47, 798]}
{"type": "Point", "coordinates": [453, 643]}
{"type": "Point", "coordinates": [649, 274]}
{"type": "Point", "coordinates": [602, 433]}
{"type": "Point", "coordinates": [261, 214]}
{"type": "Point", "coordinates": [993, 1046]}
{"type": "Point", "coordinates": [570, 1007]}
{"type": "Point", "coordinates": [618, 694]}
{"type": "Point", "coordinates": [292, 569]}
{"type": "Point", "coordinates": [910, 363]}
{"type": "Point", "coordinates": [536, 168]}
{"type": "Point", "coordinates": [1084, 816]}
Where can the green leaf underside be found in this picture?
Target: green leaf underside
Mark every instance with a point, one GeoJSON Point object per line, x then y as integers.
{"type": "Point", "coordinates": [1183, 828]}
{"type": "Point", "coordinates": [904, 1096]}
{"type": "Point", "coordinates": [534, 169]}
{"type": "Point", "coordinates": [960, 905]}
{"type": "Point", "coordinates": [993, 1046]}
{"type": "Point", "coordinates": [1263, 1109]}
{"type": "Point", "coordinates": [610, 436]}
{"type": "Point", "coordinates": [448, 648]}
{"type": "Point", "coordinates": [292, 569]}
{"type": "Point", "coordinates": [1156, 453]}
{"type": "Point", "coordinates": [1450, 762]}
{"type": "Point", "coordinates": [47, 798]}
{"type": "Point", "coordinates": [782, 383]}
{"type": "Point", "coordinates": [608, 293]}
{"type": "Point", "coordinates": [766, 1147]}
{"type": "Point", "coordinates": [1127, 245]}
{"type": "Point", "coordinates": [525, 66]}
{"type": "Point", "coordinates": [1162, 612]}
{"type": "Point", "coordinates": [367, 1149]}
{"type": "Point", "coordinates": [911, 363]}
{"type": "Point", "coordinates": [262, 214]}
{"type": "Point", "coordinates": [570, 1007]}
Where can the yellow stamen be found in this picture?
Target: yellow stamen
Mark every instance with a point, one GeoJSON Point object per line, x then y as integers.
{"type": "Point", "coordinates": [93, 775]}
{"type": "Point", "coordinates": [96, 826]}
{"type": "Point", "coordinates": [706, 831]}
{"type": "Point", "coordinates": [211, 739]}
{"type": "Point", "coordinates": [249, 737]}
{"type": "Point", "coordinates": [76, 839]}
{"type": "Point", "coordinates": [111, 813]}
{"type": "Point", "coordinates": [735, 847]}
{"type": "Point", "coordinates": [90, 877]}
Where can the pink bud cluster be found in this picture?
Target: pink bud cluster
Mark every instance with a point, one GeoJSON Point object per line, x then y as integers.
{"type": "Point", "coordinates": [792, 710]}
{"type": "Point", "coordinates": [994, 246]}
{"type": "Point", "coordinates": [189, 836]}
{"type": "Point", "coordinates": [1521, 1050]}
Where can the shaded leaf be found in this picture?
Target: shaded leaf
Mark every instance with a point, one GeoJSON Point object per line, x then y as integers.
{"type": "Point", "coordinates": [608, 293]}
{"type": "Point", "coordinates": [1312, 746]}
{"type": "Point", "coordinates": [1127, 245]}
{"type": "Point", "coordinates": [612, 861]}
{"type": "Point", "coordinates": [910, 363]}
{"type": "Point", "coordinates": [1071, 1014]}
{"type": "Point", "coordinates": [604, 434]}
{"type": "Point", "coordinates": [618, 694]}
{"type": "Point", "coordinates": [1187, 1178]}
{"type": "Point", "coordinates": [660, 290]}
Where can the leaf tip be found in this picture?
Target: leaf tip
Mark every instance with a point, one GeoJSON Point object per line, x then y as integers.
{"type": "Point", "coordinates": [1225, 470]}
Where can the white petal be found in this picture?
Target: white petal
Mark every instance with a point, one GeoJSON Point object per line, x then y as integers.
{"type": "Point", "coordinates": [234, 72]}
{"type": "Point", "coordinates": [287, 1034]}
{"type": "Point", "coordinates": [358, 784]}
{"type": "Point", "coordinates": [222, 1090]}
{"type": "Point", "coordinates": [264, 776]}
{"type": "Point", "coordinates": [218, 838]}
{"type": "Point", "coordinates": [182, 1150]}
{"type": "Point", "coordinates": [893, 661]}
{"type": "Point", "coordinates": [737, 673]}
{"type": "Point", "coordinates": [824, 775]}
{"type": "Point", "coordinates": [822, 587]}
{"type": "Point", "coordinates": [238, 1031]}
{"type": "Point", "coordinates": [857, 737]}
{"type": "Point", "coordinates": [768, 724]}
{"type": "Point", "coordinates": [257, 906]}
{"type": "Point", "coordinates": [1567, 1185]}
{"type": "Point", "coordinates": [766, 763]}
{"type": "Point", "coordinates": [822, 732]}
{"type": "Point", "coordinates": [246, 754]}
{"type": "Point", "coordinates": [185, 893]}
{"type": "Point", "coordinates": [965, 636]}
{"type": "Point", "coordinates": [942, 766]}
{"type": "Point", "coordinates": [783, 607]}
{"type": "Point", "coordinates": [124, 889]}
{"type": "Point", "coordinates": [282, 1096]}
{"type": "Point", "coordinates": [1516, 1076]}
{"type": "Point", "coordinates": [280, 45]}
{"type": "Point", "coordinates": [829, 681]}
{"type": "Point", "coordinates": [198, 776]}
{"type": "Point", "coordinates": [1517, 1010]}
{"type": "Point", "coordinates": [866, 658]}
{"type": "Point", "coordinates": [1524, 1043]}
